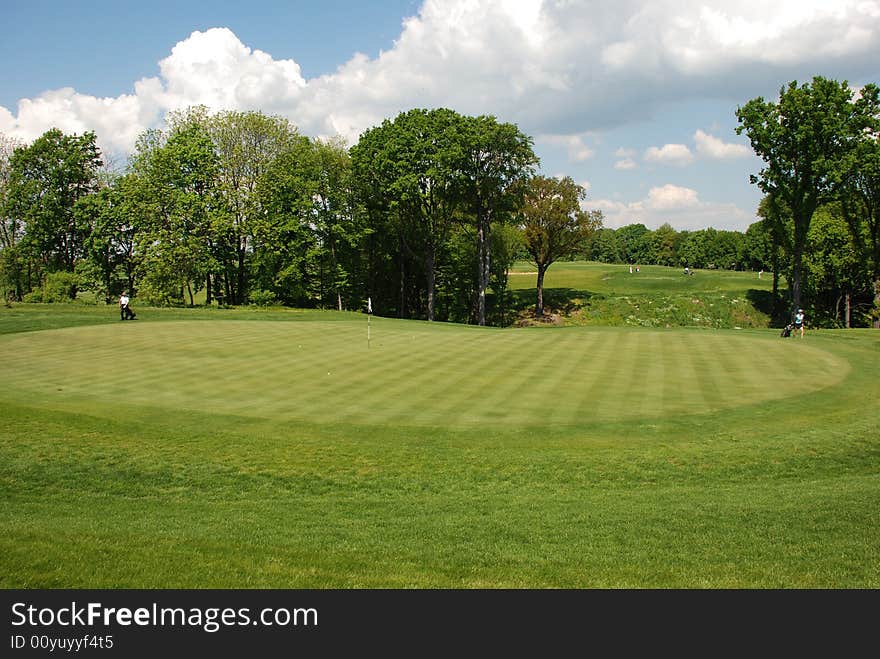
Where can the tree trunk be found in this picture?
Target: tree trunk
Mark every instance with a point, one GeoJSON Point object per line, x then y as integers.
{"type": "Point", "coordinates": [539, 307]}
{"type": "Point", "coordinates": [848, 309]}
{"type": "Point", "coordinates": [797, 274]}
{"type": "Point", "coordinates": [240, 296]}
{"type": "Point", "coordinates": [208, 297]}
{"type": "Point", "coordinates": [401, 309]}
{"type": "Point", "coordinates": [484, 264]}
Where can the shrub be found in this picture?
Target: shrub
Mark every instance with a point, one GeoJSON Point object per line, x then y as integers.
{"type": "Point", "coordinates": [60, 287]}
{"type": "Point", "coordinates": [261, 298]}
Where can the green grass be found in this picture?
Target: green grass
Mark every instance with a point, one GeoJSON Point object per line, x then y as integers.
{"type": "Point", "coordinates": [201, 448]}
{"type": "Point", "coordinates": [657, 296]}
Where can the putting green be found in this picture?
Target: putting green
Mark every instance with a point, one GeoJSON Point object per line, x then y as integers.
{"type": "Point", "coordinates": [411, 373]}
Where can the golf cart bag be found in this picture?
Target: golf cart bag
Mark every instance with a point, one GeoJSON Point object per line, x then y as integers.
{"type": "Point", "coordinates": [786, 331]}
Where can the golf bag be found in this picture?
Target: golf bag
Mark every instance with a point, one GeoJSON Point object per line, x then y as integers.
{"type": "Point", "coordinates": [786, 331]}
{"type": "Point", "coordinates": [127, 313]}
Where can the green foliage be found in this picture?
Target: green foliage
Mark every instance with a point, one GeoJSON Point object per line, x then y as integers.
{"type": "Point", "coordinates": [261, 298]}
{"type": "Point", "coordinates": [60, 287]}
{"type": "Point", "coordinates": [218, 205]}
{"type": "Point", "coordinates": [46, 179]}
{"type": "Point", "coordinates": [553, 225]}
{"type": "Point", "coordinates": [804, 139]}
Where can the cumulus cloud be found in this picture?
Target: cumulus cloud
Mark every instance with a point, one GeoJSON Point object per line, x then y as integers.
{"type": "Point", "coordinates": [211, 68]}
{"type": "Point", "coordinates": [669, 154]}
{"type": "Point", "coordinates": [679, 206]}
{"type": "Point", "coordinates": [713, 147]}
{"type": "Point", "coordinates": [553, 67]}
{"type": "Point", "coordinates": [215, 69]}
{"type": "Point", "coordinates": [576, 148]}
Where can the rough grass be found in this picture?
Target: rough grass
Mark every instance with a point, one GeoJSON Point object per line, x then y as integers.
{"type": "Point", "coordinates": [609, 295]}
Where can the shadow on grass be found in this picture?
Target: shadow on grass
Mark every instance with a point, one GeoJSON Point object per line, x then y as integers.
{"type": "Point", "coordinates": [765, 302]}
{"type": "Point", "coordinates": [557, 300]}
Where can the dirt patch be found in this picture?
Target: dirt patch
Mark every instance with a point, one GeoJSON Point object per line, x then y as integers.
{"type": "Point", "coordinates": [531, 320]}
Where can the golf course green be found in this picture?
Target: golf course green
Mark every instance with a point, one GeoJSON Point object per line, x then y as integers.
{"type": "Point", "coordinates": [283, 449]}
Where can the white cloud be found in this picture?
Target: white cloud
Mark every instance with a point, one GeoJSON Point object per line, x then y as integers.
{"type": "Point", "coordinates": [215, 69]}
{"type": "Point", "coordinates": [670, 197]}
{"type": "Point", "coordinates": [713, 147]}
{"type": "Point", "coordinates": [669, 154]}
{"type": "Point", "coordinates": [625, 164]}
{"type": "Point", "coordinates": [554, 68]}
{"type": "Point", "coordinates": [681, 207]}
{"type": "Point", "coordinates": [576, 148]}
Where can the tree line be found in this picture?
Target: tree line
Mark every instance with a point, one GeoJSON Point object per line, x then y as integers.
{"type": "Point", "coordinates": [424, 215]}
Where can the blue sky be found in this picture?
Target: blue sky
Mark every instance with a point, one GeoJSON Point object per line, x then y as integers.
{"type": "Point", "coordinates": [635, 100]}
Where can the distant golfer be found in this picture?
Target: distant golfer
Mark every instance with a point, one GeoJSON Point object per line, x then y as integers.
{"type": "Point", "coordinates": [125, 312]}
{"type": "Point", "coordinates": [799, 322]}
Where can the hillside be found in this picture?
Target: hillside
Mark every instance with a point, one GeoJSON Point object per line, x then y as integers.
{"type": "Point", "coordinates": [581, 293]}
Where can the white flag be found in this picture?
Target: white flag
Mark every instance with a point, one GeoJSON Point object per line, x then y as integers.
{"type": "Point", "coordinates": [369, 305]}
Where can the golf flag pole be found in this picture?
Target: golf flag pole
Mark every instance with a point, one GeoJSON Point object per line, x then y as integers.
{"type": "Point", "coordinates": [369, 313]}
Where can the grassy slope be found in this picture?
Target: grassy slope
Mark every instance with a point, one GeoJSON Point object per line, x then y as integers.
{"type": "Point", "coordinates": [124, 479]}
{"type": "Point", "coordinates": [604, 294]}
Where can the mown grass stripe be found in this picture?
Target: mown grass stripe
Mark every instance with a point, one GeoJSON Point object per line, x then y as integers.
{"type": "Point", "coordinates": [417, 376]}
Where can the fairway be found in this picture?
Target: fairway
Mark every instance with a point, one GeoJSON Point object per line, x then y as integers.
{"type": "Point", "coordinates": [411, 373]}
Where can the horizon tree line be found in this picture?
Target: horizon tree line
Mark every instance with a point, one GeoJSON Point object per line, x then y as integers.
{"type": "Point", "coordinates": [424, 215]}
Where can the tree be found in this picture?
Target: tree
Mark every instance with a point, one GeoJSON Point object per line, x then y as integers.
{"type": "Point", "coordinates": [606, 247]}
{"type": "Point", "coordinates": [284, 237]}
{"type": "Point", "coordinates": [634, 241]}
{"type": "Point", "coordinates": [837, 273]}
{"type": "Point", "coordinates": [497, 160]}
{"type": "Point", "coordinates": [11, 228]}
{"type": "Point", "coordinates": [553, 224]}
{"type": "Point", "coordinates": [776, 220]}
{"type": "Point", "coordinates": [802, 140]}
{"type": "Point", "coordinates": [45, 181]}
{"type": "Point", "coordinates": [337, 226]}
{"type": "Point", "coordinates": [664, 245]}
{"type": "Point", "coordinates": [177, 178]}
{"type": "Point", "coordinates": [859, 189]}
{"type": "Point", "coordinates": [246, 144]}
{"type": "Point", "coordinates": [110, 217]}
{"type": "Point", "coordinates": [412, 162]}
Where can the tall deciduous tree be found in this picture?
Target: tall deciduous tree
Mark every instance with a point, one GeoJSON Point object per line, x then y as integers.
{"type": "Point", "coordinates": [497, 160]}
{"type": "Point", "coordinates": [111, 218]}
{"type": "Point", "coordinates": [802, 138]}
{"type": "Point", "coordinates": [837, 272]}
{"type": "Point", "coordinates": [246, 144]}
{"type": "Point", "coordinates": [11, 228]}
{"type": "Point", "coordinates": [45, 181]}
{"type": "Point", "coordinates": [413, 162]}
{"type": "Point", "coordinates": [337, 220]}
{"type": "Point", "coordinates": [859, 189]}
{"type": "Point", "coordinates": [554, 225]}
{"type": "Point", "coordinates": [177, 178]}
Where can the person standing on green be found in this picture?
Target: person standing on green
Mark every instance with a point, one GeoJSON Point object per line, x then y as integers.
{"type": "Point", "coordinates": [799, 322]}
{"type": "Point", "coordinates": [125, 312]}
